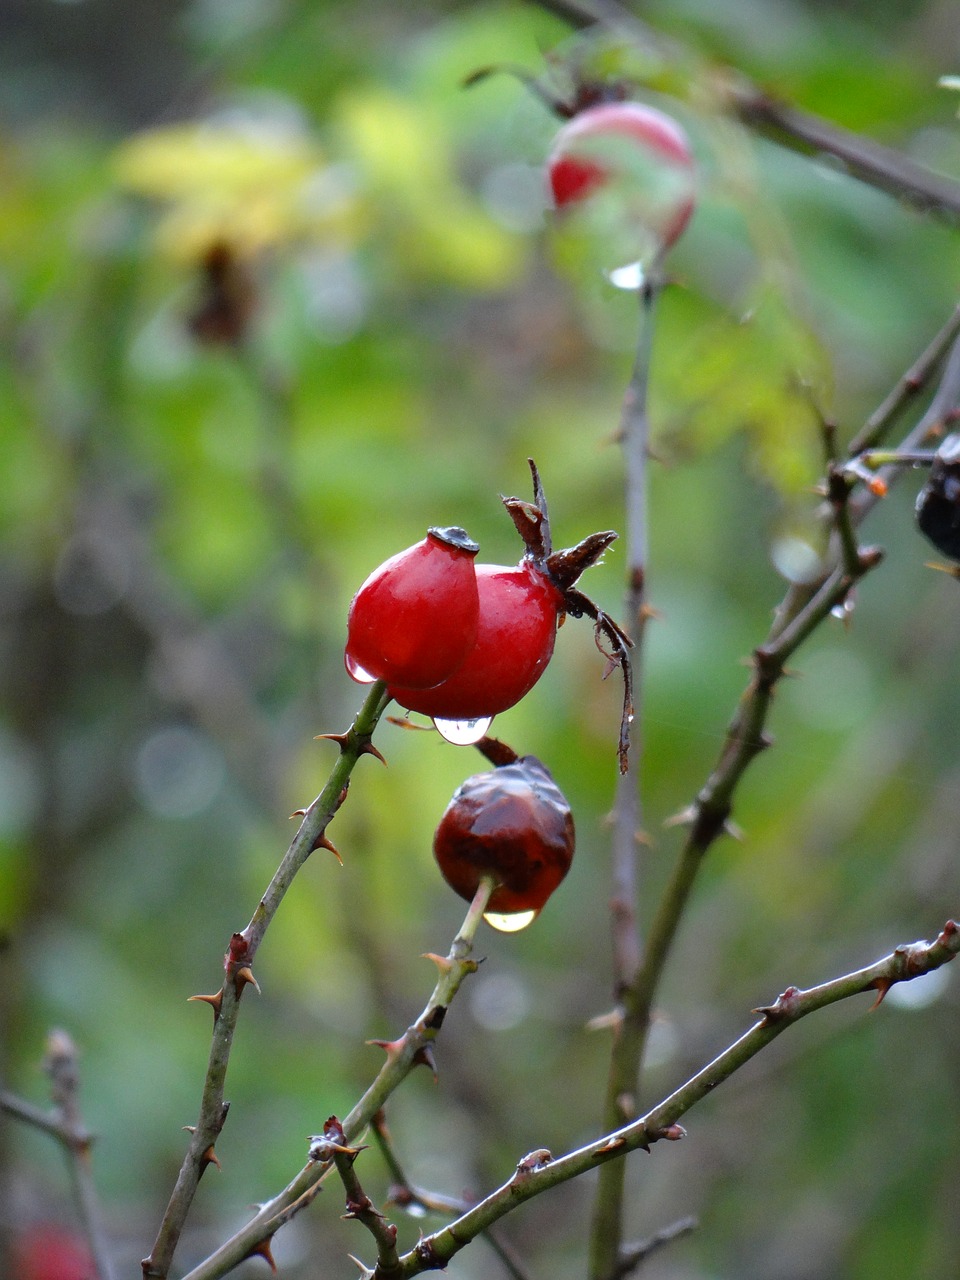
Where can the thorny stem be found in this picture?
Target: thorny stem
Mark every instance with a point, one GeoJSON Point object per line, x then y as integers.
{"type": "Point", "coordinates": [412, 1049]}
{"type": "Point", "coordinates": [801, 611]}
{"type": "Point", "coordinates": [65, 1123]}
{"type": "Point", "coordinates": [332, 1146]}
{"type": "Point", "coordinates": [532, 1177]}
{"type": "Point", "coordinates": [607, 1226]}
{"type": "Point", "coordinates": [239, 959]}
{"type": "Point", "coordinates": [907, 389]}
{"type": "Point", "coordinates": [405, 1195]}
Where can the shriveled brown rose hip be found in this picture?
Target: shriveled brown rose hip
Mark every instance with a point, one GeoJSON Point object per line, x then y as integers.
{"type": "Point", "coordinates": [513, 824]}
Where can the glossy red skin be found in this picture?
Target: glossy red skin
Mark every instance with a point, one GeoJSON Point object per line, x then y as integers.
{"type": "Point", "coordinates": [519, 608]}
{"type": "Point", "coordinates": [574, 177]}
{"type": "Point", "coordinates": [513, 823]}
{"type": "Point", "coordinates": [414, 619]}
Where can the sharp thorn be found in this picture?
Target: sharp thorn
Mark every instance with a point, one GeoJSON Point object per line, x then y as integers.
{"type": "Point", "coordinates": [244, 977]}
{"type": "Point", "coordinates": [324, 842]}
{"type": "Point", "coordinates": [215, 1001]}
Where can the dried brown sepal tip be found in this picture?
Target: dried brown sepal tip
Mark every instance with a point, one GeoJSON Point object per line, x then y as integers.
{"type": "Point", "coordinates": [497, 752]}
{"type": "Point", "coordinates": [563, 569]}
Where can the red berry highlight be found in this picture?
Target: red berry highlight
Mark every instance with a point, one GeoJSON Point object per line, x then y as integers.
{"type": "Point", "coordinates": [50, 1252]}
{"type": "Point", "coordinates": [414, 619]}
{"type": "Point", "coordinates": [638, 154]}
{"type": "Point", "coordinates": [516, 630]}
{"type": "Point", "coordinates": [512, 823]}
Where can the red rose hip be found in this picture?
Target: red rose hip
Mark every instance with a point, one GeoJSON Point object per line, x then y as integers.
{"type": "Point", "coordinates": [512, 824]}
{"type": "Point", "coordinates": [414, 619]}
{"type": "Point", "coordinates": [634, 164]}
{"type": "Point", "coordinates": [516, 631]}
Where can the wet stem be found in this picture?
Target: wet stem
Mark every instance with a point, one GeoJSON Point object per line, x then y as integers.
{"type": "Point", "coordinates": [239, 959]}
{"type": "Point", "coordinates": [412, 1049]}
{"type": "Point", "coordinates": [800, 612]}
{"type": "Point", "coordinates": [607, 1228]}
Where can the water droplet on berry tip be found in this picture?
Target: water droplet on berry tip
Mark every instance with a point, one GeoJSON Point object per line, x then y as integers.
{"type": "Point", "coordinates": [629, 277]}
{"type": "Point", "coordinates": [357, 672]}
{"type": "Point", "coordinates": [462, 733]}
{"type": "Point", "coordinates": [512, 923]}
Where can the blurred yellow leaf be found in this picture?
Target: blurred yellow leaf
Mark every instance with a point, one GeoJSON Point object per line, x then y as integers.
{"type": "Point", "coordinates": [251, 187]}
{"type": "Point", "coordinates": [406, 156]}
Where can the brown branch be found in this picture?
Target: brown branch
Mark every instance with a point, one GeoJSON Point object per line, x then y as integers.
{"type": "Point", "coordinates": [405, 1195]}
{"type": "Point", "coordinates": [332, 1146]}
{"type": "Point", "coordinates": [801, 611]}
{"type": "Point", "coordinates": [239, 974]}
{"type": "Point", "coordinates": [413, 1048]}
{"type": "Point", "coordinates": [539, 1172]}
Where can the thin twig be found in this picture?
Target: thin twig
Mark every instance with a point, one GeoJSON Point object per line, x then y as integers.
{"type": "Point", "coordinates": [332, 1145]}
{"type": "Point", "coordinates": [633, 1256]}
{"type": "Point", "coordinates": [607, 1226]}
{"type": "Point", "coordinates": [238, 961]}
{"type": "Point", "coordinates": [870, 162]}
{"type": "Point", "coordinates": [64, 1122]}
{"type": "Point", "coordinates": [533, 1177]}
{"type": "Point", "coordinates": [799, 614]}
{"type": "Point", "coordinates": [407, 1196]}
{"type": "Point", "coordinates": [413, 1048]}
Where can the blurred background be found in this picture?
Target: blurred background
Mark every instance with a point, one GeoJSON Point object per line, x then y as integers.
{"type": "Point", "coordinates": [276, 294]}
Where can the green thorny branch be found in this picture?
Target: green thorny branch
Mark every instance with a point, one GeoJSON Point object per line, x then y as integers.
{"type": "Point", "coordinates": [539, 1171]}
{"type": "Point", "coordinates": [239, 974]}
{"type": "Point", "coordinates": [802, 610]}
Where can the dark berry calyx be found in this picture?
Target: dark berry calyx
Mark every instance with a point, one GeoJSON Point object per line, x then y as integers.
{"type": "Point", "coordinates": [454, 536]}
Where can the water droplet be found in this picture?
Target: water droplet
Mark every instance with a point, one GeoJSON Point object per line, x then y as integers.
{"type": "Point", "coordinates": [462, 733]}
{"type": "Point", "coordinates": [355, 670]}
{"type": "Point", "coordinates": [630, 276]}
{"type": "Point", "coordinates": [511, 923]}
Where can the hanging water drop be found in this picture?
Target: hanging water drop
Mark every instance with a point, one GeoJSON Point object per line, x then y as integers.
{"type": "Point", "coordinates": [357, 672]}
{"type": "Point", "coordinates": [629, 277]}
{"type": "Point", "coordinates": [462, 733]}
{"type": "Point", "coordinates": [512, 922]}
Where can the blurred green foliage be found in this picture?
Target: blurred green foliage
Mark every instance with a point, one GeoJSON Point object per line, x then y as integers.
{"type": "Point", "coordinates": [184, 523]}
